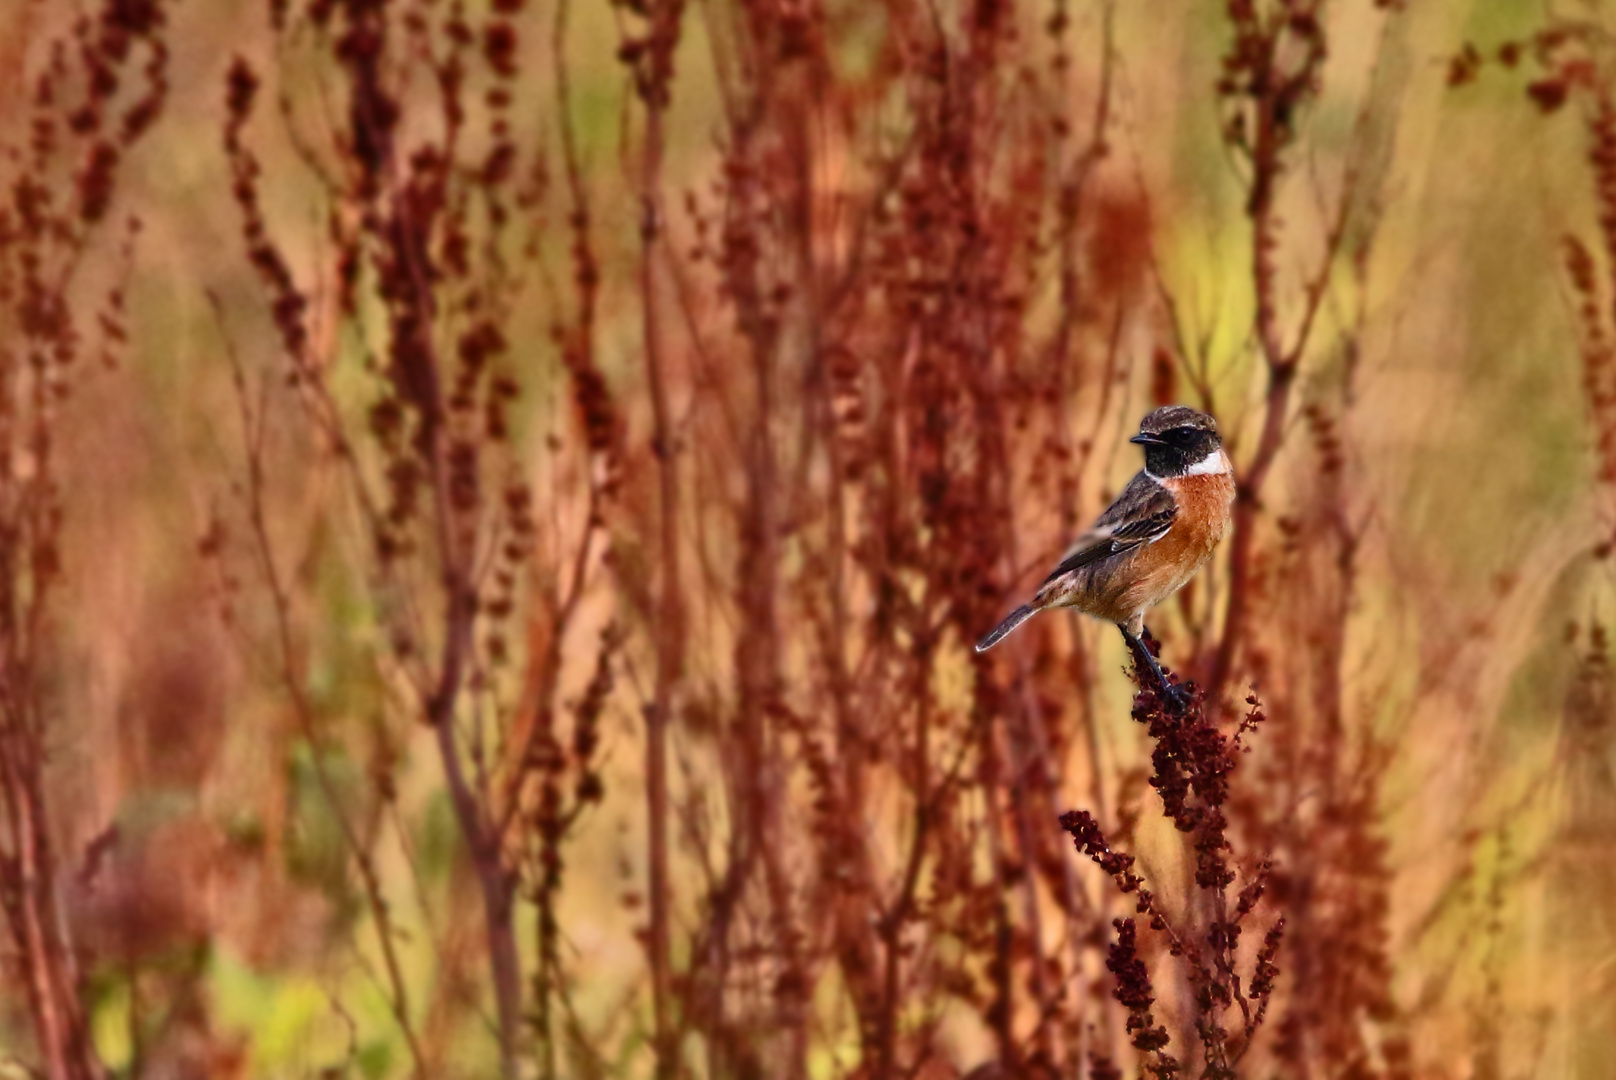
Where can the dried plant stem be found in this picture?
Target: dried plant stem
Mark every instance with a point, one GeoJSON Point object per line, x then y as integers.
{"type": "Point", "coordinates": [1266, 166]}
{"type": "Point", "coordinates": [53, 999]}
{"type": "Point", "coordinates": [902, 907]}
{"type": "Point", "coordinates": [1275, 93]}
{"type": "Point", "coordinates": [252, 427]}
{"type": "Point", "coordinates": [670, 616]}
{"type": "Point", "coordinates": [497, 884]}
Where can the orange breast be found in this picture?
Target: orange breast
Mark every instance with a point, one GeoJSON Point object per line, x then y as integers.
{"type": "Point", "coordinates": [1204, 503]}
{"type": "Point", "coordinates": [1116, 591]}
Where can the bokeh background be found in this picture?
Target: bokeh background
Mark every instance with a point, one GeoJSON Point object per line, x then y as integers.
{"type": "Point", "coordinates": [498, 497]}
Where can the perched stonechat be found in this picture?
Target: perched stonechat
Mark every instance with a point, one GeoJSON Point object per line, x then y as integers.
{"type": "Point", "coordinates": [1151, 540]}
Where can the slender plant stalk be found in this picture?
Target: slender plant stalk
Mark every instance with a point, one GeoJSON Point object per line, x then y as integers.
{"type": "Point", "coordinates": [670, 614]}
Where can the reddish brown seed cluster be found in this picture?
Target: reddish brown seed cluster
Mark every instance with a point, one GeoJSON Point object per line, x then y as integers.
{"type": "Point", "coordinates": [1191, 766]}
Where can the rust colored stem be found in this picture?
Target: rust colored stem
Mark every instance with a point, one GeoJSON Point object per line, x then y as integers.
{"type": "Point", "coordinates": [670, 606]}
{"type": "Point", "coordinates": [1281, 365]}
{"type": "Point", "coordinates": [58, 1018]}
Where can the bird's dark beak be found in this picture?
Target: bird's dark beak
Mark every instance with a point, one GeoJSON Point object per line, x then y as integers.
{"type": "Point", "coordinates": [1146, 440]}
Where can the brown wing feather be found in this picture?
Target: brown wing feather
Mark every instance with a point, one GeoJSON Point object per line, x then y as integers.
{"type": "Point", "coordinates": [1143, 512]}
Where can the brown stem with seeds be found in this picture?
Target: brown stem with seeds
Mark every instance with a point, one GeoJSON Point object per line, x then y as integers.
{"type": "Point", "coordinates": [654, 77]}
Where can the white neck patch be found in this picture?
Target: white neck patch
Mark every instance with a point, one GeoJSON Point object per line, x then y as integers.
{"type": "Point", "coordinates": [1214, 464]}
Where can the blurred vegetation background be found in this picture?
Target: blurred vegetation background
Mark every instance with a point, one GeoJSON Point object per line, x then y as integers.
{"type": "Point", "coordinates": [498, 497]}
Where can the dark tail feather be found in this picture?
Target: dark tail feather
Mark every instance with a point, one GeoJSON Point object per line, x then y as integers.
{"type": "Point", "coordinates": [1011, 621]}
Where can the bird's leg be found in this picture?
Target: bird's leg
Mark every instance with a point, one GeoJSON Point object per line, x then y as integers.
{"type": "Point", "coordinates": [1176, 694]}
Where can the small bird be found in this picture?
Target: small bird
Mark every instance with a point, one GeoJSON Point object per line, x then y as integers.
{"type": "Point", "coordinates": [1151, 540]}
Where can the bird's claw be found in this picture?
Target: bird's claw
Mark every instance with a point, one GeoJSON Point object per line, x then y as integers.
{"type": "Point", "coordinates": [1177, 695]}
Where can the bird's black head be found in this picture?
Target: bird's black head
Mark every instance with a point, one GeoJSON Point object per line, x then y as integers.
{"type": "Point", "coordinates": [1176, 439]}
